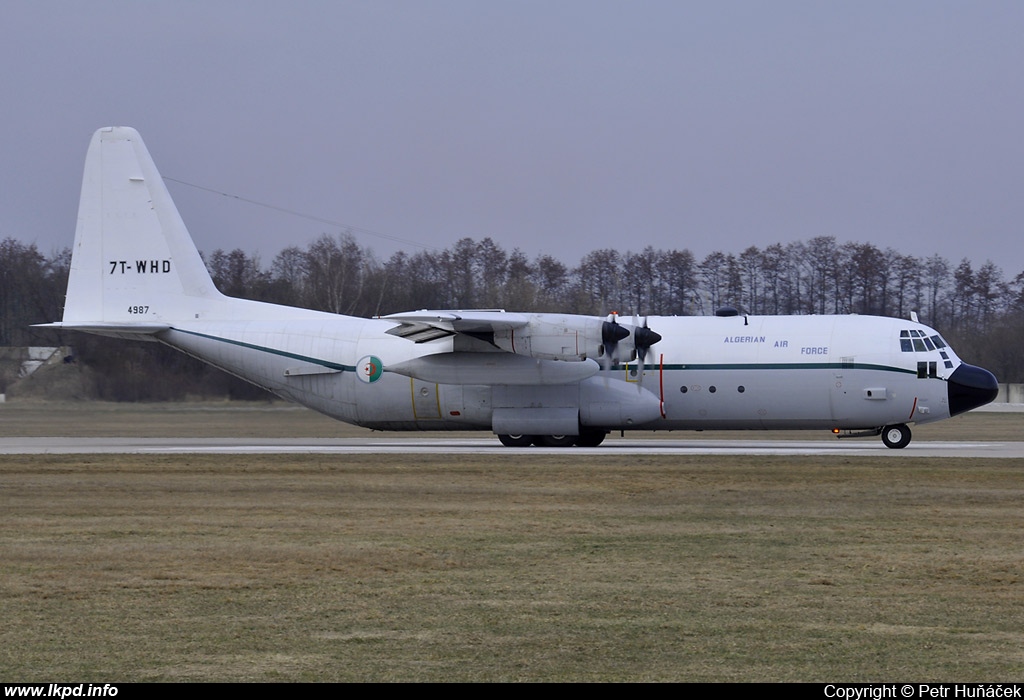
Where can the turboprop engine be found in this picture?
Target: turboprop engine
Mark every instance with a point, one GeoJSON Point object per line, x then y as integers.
{"type": "Point", "coordinates": [542, 348]}
{"type": "Point", "coordinates": [575, 338]}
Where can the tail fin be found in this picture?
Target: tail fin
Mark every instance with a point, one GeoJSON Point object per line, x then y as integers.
{"type": "Point", "coordinates": [134, 267]}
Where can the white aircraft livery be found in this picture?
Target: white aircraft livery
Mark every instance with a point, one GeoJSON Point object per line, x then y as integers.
{"type": "Point", "coordinates": [531, 378]}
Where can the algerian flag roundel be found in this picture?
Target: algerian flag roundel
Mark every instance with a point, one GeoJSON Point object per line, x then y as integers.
{"type": "Point", "coordinates": [369, 369]}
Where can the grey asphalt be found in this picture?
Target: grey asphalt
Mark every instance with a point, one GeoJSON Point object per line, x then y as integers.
{"type": "Point", "coordinates": [491, 446]}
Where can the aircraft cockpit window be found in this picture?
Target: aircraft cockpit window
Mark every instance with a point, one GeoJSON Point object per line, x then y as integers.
{"type": "Point", "coordinates": [914, 340]}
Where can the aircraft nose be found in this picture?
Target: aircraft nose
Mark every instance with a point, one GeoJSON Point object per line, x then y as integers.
{"type": "Point", "coordinates": [969, 387]}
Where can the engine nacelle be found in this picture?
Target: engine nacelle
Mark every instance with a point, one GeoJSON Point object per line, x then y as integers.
{"type": "Point", "coordinates": [572, 338]}
{"type": "Point", "coordinates": [554, 337]}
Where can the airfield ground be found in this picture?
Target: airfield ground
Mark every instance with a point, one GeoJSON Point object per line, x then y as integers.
{"type": "Point", "coordinates": [453, 568]}
{"type": "Point", "coordinates": [279, 419]}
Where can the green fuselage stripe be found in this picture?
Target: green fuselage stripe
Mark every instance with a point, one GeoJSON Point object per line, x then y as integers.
{"type": "Point", "coordinates": [771, 366]}
{"type": "Point", "coordinates": [272, 351]}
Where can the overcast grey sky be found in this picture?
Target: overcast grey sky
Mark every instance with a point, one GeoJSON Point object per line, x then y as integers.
{"type": "Point", "coordinates": [555, 126]}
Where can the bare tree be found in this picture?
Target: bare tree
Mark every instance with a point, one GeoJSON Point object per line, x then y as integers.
{"type": "Point", "coordinates": [821, 266]}
{"type": "Point", "coordinates": [600, 280]}
{"type": "Point", "coordinates": [640, 282]}
{"type": "Point", "coordinates": [751, 263]}
{"type": "Point", "coordinates": [907, 284]}
{"type": "Point", "coordinates": [552, 280]}
{"type": "Point", "coordinates": [337, 270]}
{"type": "Point", "coordinates": [520, 290]}
{"type": "Point", "coordinates": [936, 272]}
{"type": "Point", "coordinates": [677, 270]}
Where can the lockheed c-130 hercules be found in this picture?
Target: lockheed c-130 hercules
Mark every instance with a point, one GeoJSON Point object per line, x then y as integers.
{"type": "Point", "coordinates": [531, 378]}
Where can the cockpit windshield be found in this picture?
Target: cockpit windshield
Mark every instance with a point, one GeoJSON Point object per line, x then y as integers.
{"type": "Point", "coordinates": [915, 340]}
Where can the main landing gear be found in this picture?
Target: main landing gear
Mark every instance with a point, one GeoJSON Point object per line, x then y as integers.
{"type": "Point", "coordinates": [586, 438]}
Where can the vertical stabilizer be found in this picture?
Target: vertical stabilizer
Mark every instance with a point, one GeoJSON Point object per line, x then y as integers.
{"type": "Point", "coordinates": [133, 261]}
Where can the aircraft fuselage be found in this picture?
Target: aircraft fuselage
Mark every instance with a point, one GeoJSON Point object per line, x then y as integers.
{"type": "Point", "coordinates": [740, 372]}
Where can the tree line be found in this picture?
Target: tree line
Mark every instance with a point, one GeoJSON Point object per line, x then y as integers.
{"type": "Point", "coordinates": [979, 309]}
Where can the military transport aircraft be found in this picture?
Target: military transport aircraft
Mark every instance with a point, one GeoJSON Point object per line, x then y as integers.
{"type": "Point", "coordinates": [532, 378]}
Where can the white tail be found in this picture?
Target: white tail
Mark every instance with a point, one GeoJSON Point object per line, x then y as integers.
{"type": "Point", "coordinates": [133, 263]}
{"type": "Point", "coordinates": [134, 268]}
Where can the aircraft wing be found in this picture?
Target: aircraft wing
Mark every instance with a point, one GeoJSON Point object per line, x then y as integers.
{"type": "Point", "coordinates": [424, 326]}
{"type": "Point", "coordinates": [495, 360]}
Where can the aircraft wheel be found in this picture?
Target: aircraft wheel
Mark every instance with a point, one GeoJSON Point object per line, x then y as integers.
{"type": "Point", "coordinates": [590, 438]}
{"type": "Point", "coordinates": [555, 440]}
{"type": "Point", "coordinates": [516, 440]}
{"type": "Point", "coordinates": [896, 437]}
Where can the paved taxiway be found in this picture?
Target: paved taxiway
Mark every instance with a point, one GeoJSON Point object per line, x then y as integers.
{"type": "Point", "coordinates": [484, 446]}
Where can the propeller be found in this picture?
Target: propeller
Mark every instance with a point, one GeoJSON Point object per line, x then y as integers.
{"type": "Point", "coordinates": [611, 334]}
{"type": "Point", "coordinates": [643, 339]}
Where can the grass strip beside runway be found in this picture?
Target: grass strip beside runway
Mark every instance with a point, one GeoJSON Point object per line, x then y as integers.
{"type": "Point", "coordinates": [693, 568]}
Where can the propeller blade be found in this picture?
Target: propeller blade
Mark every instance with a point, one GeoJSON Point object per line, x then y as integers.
{"type": "Point", "coordinates": [611, 334]}
{"type": "Point", "coordinates": [643, 339]}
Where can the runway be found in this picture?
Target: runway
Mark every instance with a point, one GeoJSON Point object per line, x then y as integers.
{"type": "Point", "coordinates": [491, 446]}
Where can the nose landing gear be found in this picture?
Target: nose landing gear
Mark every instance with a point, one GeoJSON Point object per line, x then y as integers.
{"type": "Point", "coordinates": [896, 437]}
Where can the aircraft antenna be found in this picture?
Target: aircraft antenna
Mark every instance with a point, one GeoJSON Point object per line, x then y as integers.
{"type": "Point", "coordinates": [301, 215]}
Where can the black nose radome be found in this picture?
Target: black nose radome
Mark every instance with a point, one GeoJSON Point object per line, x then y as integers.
{"type": "Point", "coordinates": [970, 387]}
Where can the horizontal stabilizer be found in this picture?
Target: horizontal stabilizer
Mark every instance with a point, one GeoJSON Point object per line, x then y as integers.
{"type": "Point", "coordinates": [129, 331]}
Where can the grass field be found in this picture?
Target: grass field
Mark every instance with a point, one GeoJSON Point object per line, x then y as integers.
{"type": "Point", "coordinates": [564, 568]}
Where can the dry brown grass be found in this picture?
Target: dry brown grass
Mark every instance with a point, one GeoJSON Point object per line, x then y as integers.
{"type": "Point", "coordinates": [694, 568]}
